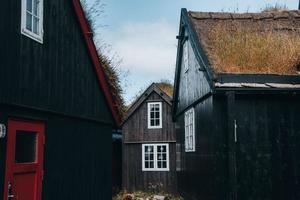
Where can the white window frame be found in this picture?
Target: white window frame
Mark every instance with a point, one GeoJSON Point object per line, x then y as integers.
{"type": "Point", "coordinates": [29, 33]}
{"type": "Point", "coordinates": [189, 130]}
{"type": "Point", "coordinates": [155, 166]}
{"type": "Point", "coordinates": [185, 55]}
{"type": "Point", "coordinates": [149, 116]}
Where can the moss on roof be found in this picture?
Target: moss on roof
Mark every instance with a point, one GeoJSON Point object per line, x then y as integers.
{"type": "Point", "coordinates": [250, 43]}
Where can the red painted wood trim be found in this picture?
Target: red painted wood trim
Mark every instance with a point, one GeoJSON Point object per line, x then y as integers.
{"type": "Point", "coordinates": [11, 167]}
{"type": "Point", "coordinates": [85, 27]}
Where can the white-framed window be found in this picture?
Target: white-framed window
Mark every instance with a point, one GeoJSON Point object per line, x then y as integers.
{"type": "Point", "coordinates": [154, 115]}
{"type": "Point", "coordinates": [155, 157]}
{"type": "Point", "coordinates": [32, 19]}
{"type": "Point", "coordinates": [185, 55]}
{"type": "Point", "coordinates": [189, 130]}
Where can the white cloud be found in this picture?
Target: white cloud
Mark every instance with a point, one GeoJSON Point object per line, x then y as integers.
{"type": "Point", "coordinates": [147, 50]}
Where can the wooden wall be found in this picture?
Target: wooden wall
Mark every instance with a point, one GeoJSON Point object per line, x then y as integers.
{"type": "Point", "coordinates": [192, 83]}
{"type": "Point", "coordinates": [196, 174]}
{"type": "Point", "coordinates": [77, 157]}
{"type": "Point", "coordinates": [57, 75]}
{"type": "Point", "coordinates": [134, 179]}
{"type": "Point", "coordinates": [135, 133]}
{"type": "Point", "coordinates": [55, 82]}
{"type": "Point", "coordinates": [262, 165]}
{"type": "Point", "coordinates": [268, 147]}
{"type": "Point", "coordinates": [136, 129]}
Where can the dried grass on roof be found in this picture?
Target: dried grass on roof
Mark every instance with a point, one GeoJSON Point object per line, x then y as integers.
{"type": "Point", "coordinates": [236, 49]}
{"type": "Point", "coordinates": [167, 87]}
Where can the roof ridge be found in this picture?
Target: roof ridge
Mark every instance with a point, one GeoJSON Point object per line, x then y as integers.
{"type": "Point", "coordinates": [284, 14]}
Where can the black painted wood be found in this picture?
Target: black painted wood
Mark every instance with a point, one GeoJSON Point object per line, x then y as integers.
{"type": "Point", "coordinates": [55, 82]}
{"type": "Point", "coordinates": [50, 74]}
{"type": "Point", "coordinates": [262, 164]}
{"type": "Point", "coordinates": [135, 133]}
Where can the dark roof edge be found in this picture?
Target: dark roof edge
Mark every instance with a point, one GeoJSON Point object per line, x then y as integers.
{"type": "Point", "coordinates": [186, 24]}
{"type": "Point", "coordinates": [257, 78]}
{"type": "Point", "coordinates": [101, 76]}
{"type": "Point", "coordinates": [200, 54]}
{"type": "Point", "coordinates": [136, 104]}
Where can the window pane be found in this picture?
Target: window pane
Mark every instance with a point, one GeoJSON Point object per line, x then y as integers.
{"type": "Point", "coordinates": [151, 157]}
{"type": "Point", "coordinates": [152, 122]}
{"type": "Point", "coordinates": [28, 21]}
{"type": "Point", "coordinates": [157, 115]}
{"type": "Point", "coordinates": [146, 164]}
{"type": "Point", "coordinates": [152, 108]}
{"type": "Point", "coordinates": [157, 108]}
{"type": "Point", "coordinates": [164, 156]}
{"type": "Point", "coordinates": [36, 7]}
{"type": "Point", "coordinates": [146, 156]}
{"type": "Point", "coordinates": [159, 164]}
{"type": "Point", "coordinates": [164, 164]}
{"type": "Point", "coordinates": [29, 5]}
{"type": "Point", "coordinates": [159, 157]}
{"type": "Point", "coordinates": [152, 115]}
{"type": "Point", "coordinates": [36, 25]}
{"type": "Point", "coordinates": [26, 143]}
{"type": "Point", "coordinates": [151, 164]}
{"type": "Point", "coordinates": [157, 122]}
{"type": "Point", "coordinates": [149, 148]}
{"type": "Point", "coordinates": [158, 148]}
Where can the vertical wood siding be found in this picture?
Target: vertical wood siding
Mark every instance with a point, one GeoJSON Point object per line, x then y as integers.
{"type": "Point", "coordinates": [197, 171]}
{"type": "Point", "coordinates": [134, 179]}
{"type": "Point", "coordinates": [57, 75]}
{"type": "Point", "coordinates": [267, 146]}
{"type": "Point", "coordinates": [135, 133]}
{"type": "Point", "coordinates": [136, 129]}
{"type": "Point", "coordinates": [77, 158]}
{"type": "Point", "coordinates": [193, 83]}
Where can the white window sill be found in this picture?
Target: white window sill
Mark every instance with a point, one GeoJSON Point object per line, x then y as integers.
{"type": "Point", "coordinates": [32, 35]}
{"type": "Point", "coordinates": [155, 127]}
{"type": "Point", "coordinates": [156, 170]}
{"type": "Point", "coordinates": [190, 150]}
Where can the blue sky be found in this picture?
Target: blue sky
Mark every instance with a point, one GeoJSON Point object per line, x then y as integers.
{"type": "Point", "coordinates": [141, 34]}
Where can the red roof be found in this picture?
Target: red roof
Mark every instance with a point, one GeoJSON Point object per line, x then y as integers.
{"type": "Point", "coordinates": [87, 33]}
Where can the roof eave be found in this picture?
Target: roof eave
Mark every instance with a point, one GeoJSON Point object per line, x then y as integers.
{"type": "Point", "coordinates": [137, 103]}
{"type": "Point", "coordinates": [86, 31]}
{"type": "Point", "coordinates": [186, 24]}
{"type": "Point", "coordinates": [257, 78]}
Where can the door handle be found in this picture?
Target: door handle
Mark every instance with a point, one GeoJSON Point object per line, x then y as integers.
{"type": "Point", "coordinates": [10, 195]}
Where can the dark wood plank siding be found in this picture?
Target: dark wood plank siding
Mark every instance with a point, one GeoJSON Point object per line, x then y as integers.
{"type": "Point", "coordinates": [48, 75]}
{"type": "Point", "coordinates": [55, 82]}
{"type": "Point", "coordinates": [134, 179]}
{"type": "Point", "coordinates": [193, 83]}
{"type": "Point", "coordinates": [268, 147]}
{"type": "Point", "coordinates": [265, 155]}
{"type": "Point", "coordinates": [196, 176]}
{"type": "Point", "coordinates": [135, 133]}
{"type": "Point", "coordinates": [77, 158]}
{"type": "Point", "coordinates": [136, 127]}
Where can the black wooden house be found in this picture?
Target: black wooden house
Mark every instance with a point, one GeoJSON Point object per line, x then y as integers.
{"type": "Point", "coordinates": [55, 104]}
{"type": "Point", "coordinates": [149, 143]}
{"type": "Point", "coordinates": [238, 131]}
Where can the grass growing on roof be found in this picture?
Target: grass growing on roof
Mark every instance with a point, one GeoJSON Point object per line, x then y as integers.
{"type": "Point", "coordinates": [235, 49]}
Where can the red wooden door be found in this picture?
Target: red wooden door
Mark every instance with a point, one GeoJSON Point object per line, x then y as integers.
{"type": "Point", "coordinates": [24, 160]}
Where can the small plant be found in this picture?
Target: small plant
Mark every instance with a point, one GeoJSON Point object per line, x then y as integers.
{"type": "Point", "coordinates": [276, 8]}
{"type": "Point", "coordinates": [155, 188]}
{"type": "Point", "coordinates": [139, 195]}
